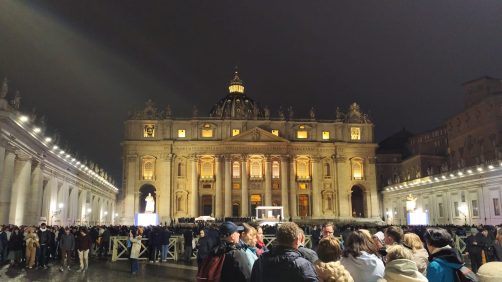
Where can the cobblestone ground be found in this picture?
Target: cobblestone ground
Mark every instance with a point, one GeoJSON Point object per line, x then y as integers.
{"type": "Point", "coordinates": [103, 270]}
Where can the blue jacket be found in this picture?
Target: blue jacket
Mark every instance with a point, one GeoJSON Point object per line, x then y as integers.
{"type": "Point", "coordinates": [443, 265]}
{"type": "Point", "coordinates": [283, 264]}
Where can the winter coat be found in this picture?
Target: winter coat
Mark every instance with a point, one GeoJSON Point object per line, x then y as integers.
{"type": "Point", "coordinates": [135, 247]}
{"type": "Point", "coordinates": [421, 258]}
{"type": "Point", "coordinates": [16, 241]}
{"type": "Point", "coordinates": [402, 270]}
{"type": "Point", "coordinates": [497, 250]}
{"type": "Point", "coordinates": [332, 271]}
{"type": "Point", "coordinates": [165, 235]}
{"type": "Point", "coordinates": [443, 263]}
{"type": "Point", "coordinates": [364, 268]}
{"type": "Point", "coordinates": [67, 242]}
{"type": "Point", "coordinates": [283, 264]}
{"type": "Point", "coordinates": [105, 237]}
{"type": "Point", "coordinates": [235, 266]}
{"type": "Point", "coordinates": [204, 246]}
{"type": "Point", "coordinates": [32, 241]}
{"type": "Point", "coordinates": [3, 240]}
{"type": "Point", "coordinates": [44, 237]}
{"type": "Point", "coordinates": [83, 242]}
{"type": "Point", "coordinates": [251, 255]}
{"type": "Point", "coordinates": [308, 254]}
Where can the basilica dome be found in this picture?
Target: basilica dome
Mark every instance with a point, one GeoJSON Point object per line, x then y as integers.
{"type": "Point", "coordinates": [236, 105]}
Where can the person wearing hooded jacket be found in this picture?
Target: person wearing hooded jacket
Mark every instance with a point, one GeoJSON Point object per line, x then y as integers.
{"type": "Point", "coordinates": [443, 260]}
{"type": "Point", "coordinates": [360, 259]}
{"type": "Point", "coordinates": [400, 266]}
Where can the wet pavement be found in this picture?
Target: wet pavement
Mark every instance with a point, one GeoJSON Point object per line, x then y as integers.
{"type": "Point", "coordinates": [104, 270]}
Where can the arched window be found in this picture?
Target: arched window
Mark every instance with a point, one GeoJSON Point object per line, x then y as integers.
{"type": "Point", "coordinates": [236, 170]}
{"type": "Point", "coordinates": [302, 168]}
{"type": "Point", "coordinates": [148, 168]}
{"type": "Point", "coordinates": [256, 170]}
{"type": "Point", "coordinates": [206, 168]}
{"type": "Point", "coordinates": [275, 169]}
{"type": "Point", "coordinates": [357, 169]}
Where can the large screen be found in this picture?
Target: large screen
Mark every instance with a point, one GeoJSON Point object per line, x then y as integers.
{"type": "Point", "coordinates": [146, 219]}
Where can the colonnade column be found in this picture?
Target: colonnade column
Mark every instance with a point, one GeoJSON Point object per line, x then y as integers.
{"type": "Point", "coordinates": [316, 195]}
{"type": "Point", "coordinates": [245, 193]}
{"type": "Point", "coordinates": [163, 205]}
{"type": "Point", "coordinates": [129, 203]}
{"type": "Point", "coordinates": [228, 186]}
{"type": "Point", "coordinates": [34, 196]}
{"type": "Point", "coordinates": [218, 210]}
{"type": "Point", "coordinates": [195, 187]}
{"type": "Point", "coordinates": [268, 181]}
{"type": "Point", "coordinates": [292, 188]}
{"type": "Point", "coordinates": [22, 177]}
{"type": "Point", "coordinates": [284, 186]}
{"type": "Point", "coordinates": [2, 156]}
{"type": "Point", "coordinates": [6, 184]}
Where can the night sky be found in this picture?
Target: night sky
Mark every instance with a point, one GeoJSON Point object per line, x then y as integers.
{"type": "Point", "coordinates": [85, 64]}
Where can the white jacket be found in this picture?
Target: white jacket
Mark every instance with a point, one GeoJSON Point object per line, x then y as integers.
{"type": "Point", "coordinates": [364, 268]}
{"type": "Point", "coordinates": [402, 270]}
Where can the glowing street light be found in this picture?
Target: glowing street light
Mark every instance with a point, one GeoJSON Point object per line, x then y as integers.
{"type": "Point", "coordinates": [23, 119]}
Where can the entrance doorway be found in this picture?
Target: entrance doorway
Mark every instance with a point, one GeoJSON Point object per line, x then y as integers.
{"type": "Point", "coordinates": [207, 205]}
{"type": "Point", "coordinates": [357, 200]}
{"type": "Point", "coordinates": [303, 205]}
{"type": "Point", "coordinates": [236, 209]}
{"type": "Point", "coordinates": [255, 202]}
{"type": "Point", "coordinates": [143, 193]}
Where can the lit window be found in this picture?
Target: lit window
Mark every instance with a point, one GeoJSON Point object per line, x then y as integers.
{"type": "Point", "coordinates": [302, 186]}
{"type": "Point", "coordinates": [149, 130]}
{"type": "Point", "coordinates": [325, 135]}
{"type": "Point", "coordinates": [236, 132]}
{"type": "Point", "coordinates": [236, 88]}
{"type": "Point", "coordinates": [355, 133]}
{"type": "Point", "coordinates": [302, 134]}
{"type": "Point", "coordinates": [275, 169]}
{"type": "Point", "coordinates": [207, 133]}
{"type": "Point", "coordinates": [357, 169]}
{"type": "Point", "coordinates": [275, 132]}
{"type": "Point", "coordinates": [255, 198]}
{"type": "Point", "coordinates": [256, 171]}
{"type": "Point", "coordinates": [302, 169]}
{"type": "Point", "coordinates": [206, 169]}
{"type": "Point", "coordinates": [181, 133]}
{"type": "Point", "coordinates": [148, 168]}
{"type": "Point", "coordinates": [236, 170]}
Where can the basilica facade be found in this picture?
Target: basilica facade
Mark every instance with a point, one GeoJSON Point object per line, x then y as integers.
{"type": "Point", "coordinates": [239, 157]}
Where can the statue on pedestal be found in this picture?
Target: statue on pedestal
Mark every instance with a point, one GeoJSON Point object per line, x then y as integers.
{"type": "Point", "coordinates": [150, 204]}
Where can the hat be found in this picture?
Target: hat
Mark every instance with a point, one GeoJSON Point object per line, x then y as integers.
{"type": "Point", "coordinates": [228, 228]}
{"type": "Point", "coordinates": [380, 236]}
{"type": "Point", "coordinates": [491, 271]}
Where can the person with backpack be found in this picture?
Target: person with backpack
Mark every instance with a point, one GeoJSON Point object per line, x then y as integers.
{"type": "Point", "coordinates": [226, 262]}
{"type": "Point", "coordinates": [446, 264]}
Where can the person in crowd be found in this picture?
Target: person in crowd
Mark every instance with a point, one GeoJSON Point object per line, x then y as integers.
{"type": "Point", "coordinates": [379, 240]}
{"type": "Point", "coordinates": [478, 246]}
{"type": "Point", "coordinates": [32, 244]}
{"type": "Point", "coordinates": [104, 242]}
{"type": "Point", "coordinates": [203, 247]}
{"type": "Point", "coordinates": [66, 247]}
{"type": "Point", "coordinates": [497, 245]}
{"type": "Point", "coordinates": [153, 244]}
{"type": "Point", "coordinates": [328, 230]}
{"type": "Point", "coordinates": [165, 235]}
{"type": "Point", "coordinates": [443, 260]}
{"type": "Point", "coordinates": [3, 244]}
{"type": "Point", "coordinates": [419, 253]}
{"type": "Point", "coordinates": [235, 265]}
{"type": "Point", "coordinates": [188, 238]}
{"type": "Point", "coordinates": [307, 253]}
{"type": "Point", "coordinates": [52, 246]}
{"type": "Point", "coordinates": [400, 267]}
{"type": "Point", "coordinates": [248, 239]}
{"type": "Point", "coordinates": [393, 235]}
{"type": "Point", "coordinates": [284, 262]}
{"type": "Point", "coordinates": [44, 238]}
{"type": "Point", "coordinates": [316, 236]}
{"type": "Point", "coordinates": [490, 272]}
{"type": "Point", "coordinates": [260, 245]}
{"type": "Point", "coordinates": [328, 267]}
{"type": "Point", "coordinates": [83, 244]}
{"type": "Point", "coordinates": [135, 240]}
{"type": "Point", "coordinates": [360, 258]}
{"type": "Point", "coordinates": [15, 246]}
{"type": "Point", "coordinates": [95, 240]}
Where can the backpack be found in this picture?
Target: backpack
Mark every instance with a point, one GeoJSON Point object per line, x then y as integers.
{"type": "Point", "coordinates": [210, 269]}
{"type": "Point", "coordinates": [464, 274]}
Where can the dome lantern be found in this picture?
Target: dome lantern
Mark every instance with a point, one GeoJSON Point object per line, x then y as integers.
{"type": "Point", "coordinates": [236, 84]}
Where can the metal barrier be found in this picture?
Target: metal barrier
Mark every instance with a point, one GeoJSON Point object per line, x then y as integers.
{"type": "Point", "coordinates": [121, 252]}
{"type": "Point", "coordinates": [459, 243]}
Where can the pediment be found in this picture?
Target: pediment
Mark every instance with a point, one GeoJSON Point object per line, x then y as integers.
{"type": "Point", "coordinates": [256, 135]}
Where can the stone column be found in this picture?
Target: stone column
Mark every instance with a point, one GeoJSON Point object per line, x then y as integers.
{"type": "Point", "coordinates": [2, 156]}
{"type": "Point", "coordinates": [268, 181]}
{"type": "Point", "coordinates": [284, 186]}
{"type": "Point", "coordinates": [218, 209]}
{"type": "Point", "coordinates": [163, 205]}
{"type": "Point", "coordinates": [195, 187]}
{"type": "Point", "coordinates": [316, 191]}
{"type": "Point", "coordinates": [292, 188]}
{"type": "Point", "coordinates": [228, 186]}
{"type": "Point", "coordinates": [34, 196]}
{"type": "Point", "coordinates": [130, 201]}
{"type": "Point", "coordinates": [6, 185]}
{"type": "Point", "coordinates": [82, 208]}
{"type": "Point", "coordinates": [22, 177]}
{"type": "Point", "coordinates": [245, 193]}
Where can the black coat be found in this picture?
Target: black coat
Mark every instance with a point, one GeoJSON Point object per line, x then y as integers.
{"type": "Point", "coordinates": [235, 266]}
{"type": "Point", "coordinates": [204, 247]}
{"type": "Point", "coordinates": [308, 254]}
{"type": "Point", "coordinates": [16, 242]}
{"type": "Point", "coordinates": [283, 264]}
{"type": "Point", "coordinates": [165, 235]}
